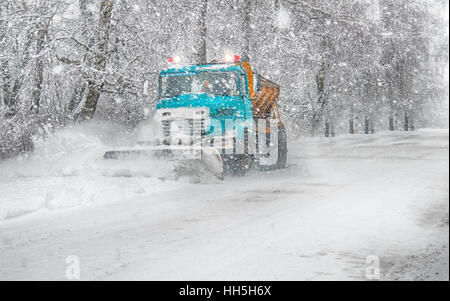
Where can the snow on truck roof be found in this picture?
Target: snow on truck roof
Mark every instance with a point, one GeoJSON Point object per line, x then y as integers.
{"type": "Point", "coordinates": [200, 68]}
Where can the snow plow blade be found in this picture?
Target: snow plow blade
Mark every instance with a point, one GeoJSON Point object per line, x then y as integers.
{"type": "Point", "coordinates": [188, 160]}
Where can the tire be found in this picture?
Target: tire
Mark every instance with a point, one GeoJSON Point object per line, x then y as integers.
{"type": "Point", "coordinates": [238, 164]}
{"type": "Point", "coordinates": [235, 165]}
{"type": "Point", "coordinates": [282, 151]}
{"type": "Point", "coordinates": [282, 147]}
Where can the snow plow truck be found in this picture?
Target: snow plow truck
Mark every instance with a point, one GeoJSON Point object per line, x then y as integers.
{"type": "Point", "coordinates": [221, 117]}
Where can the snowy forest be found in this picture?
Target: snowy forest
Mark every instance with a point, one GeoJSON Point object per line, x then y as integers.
{"type": "Point", "coordinates": [344, 66]}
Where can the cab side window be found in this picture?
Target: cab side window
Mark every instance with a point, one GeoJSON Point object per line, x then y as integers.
{"type": "Point", "coordinates": [243, 85]}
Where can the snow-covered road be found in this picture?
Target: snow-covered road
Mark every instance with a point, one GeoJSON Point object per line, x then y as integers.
{"type": "Point", "coordinates": [341, 200]}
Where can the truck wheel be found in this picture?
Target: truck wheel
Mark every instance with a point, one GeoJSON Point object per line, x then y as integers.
{"type": "Point", "coordinates": [282, 151]}
{"type": "Point", "coordinates": [235, 165]}
{"type": "Point", "coordinates": [239, 164]}
{"type": "Point", "coordinates": [282, 147]}
{"type": "Point", "coordinates": [245, 161]}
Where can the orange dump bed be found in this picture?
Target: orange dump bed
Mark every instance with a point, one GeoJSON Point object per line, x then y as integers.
{"type": "Point", "coordinates": [264, 94]}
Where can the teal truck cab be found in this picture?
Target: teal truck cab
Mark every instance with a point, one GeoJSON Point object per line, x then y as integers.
{"type": "Point", "coordinates": [222, 115]}
{"type": "Point", "coordinates": [226, 106]}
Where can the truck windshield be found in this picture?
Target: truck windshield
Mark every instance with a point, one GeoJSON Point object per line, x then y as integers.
{"type": "Point", "coordinates": [216, 83]}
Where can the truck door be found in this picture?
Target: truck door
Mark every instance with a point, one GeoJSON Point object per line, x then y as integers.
{"type": "Point", "coordinates": [246, 101]}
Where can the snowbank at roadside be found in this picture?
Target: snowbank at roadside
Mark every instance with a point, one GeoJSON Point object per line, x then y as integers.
{"type": "Point", "coordinates": [67, 169]}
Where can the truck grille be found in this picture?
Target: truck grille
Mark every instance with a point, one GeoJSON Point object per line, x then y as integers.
{"type": "Point", "coordinates": [188, 127]}
{"type": "Point", "coordinates": [166, 127]}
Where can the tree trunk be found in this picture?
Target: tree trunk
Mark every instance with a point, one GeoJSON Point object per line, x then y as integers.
{"type": "Point", "coordinates": [38, 71]}
{"type": "Point", "coordinates": [351, 123]}
{"type": "Point", "coordinates": [246, 29]}
{"type": "Point", "coordinates": [77, 97]}
{"type": "Point", "coordinates": [95, 86]}
{"type": "Point", "coordinates": [406, 123]}
{"type": "Point", "coordinates": [88, 110]}
{"type": "Point", "coordinates": [411, 123]}
{"type": "Point", "coordinates": [315, 124]}
{"type": "Point", "coordinates": [320, 83]}
{"type": "Point", "coordinates": [201, 55]}
{"type": "Point", "coordinates": [391, 122]}
{"type": "Point", "coordinates": [366, 124]}
{"type": "Point", "coordinates": [6, 78]}
{"type": "Point", "coordinates": [4, 67]}
{"type": "Point", "coordinates": [12, 94]}
{"type": "Point", "coordinates": [391, 115]}
{"type": "Point", "coordinates": [351, 126]}
{"type": "Point", "coordinates": [372, 126]}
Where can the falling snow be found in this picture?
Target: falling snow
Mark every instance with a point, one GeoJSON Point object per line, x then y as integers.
{"type": "Point", "coordinates": [364, 97]}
